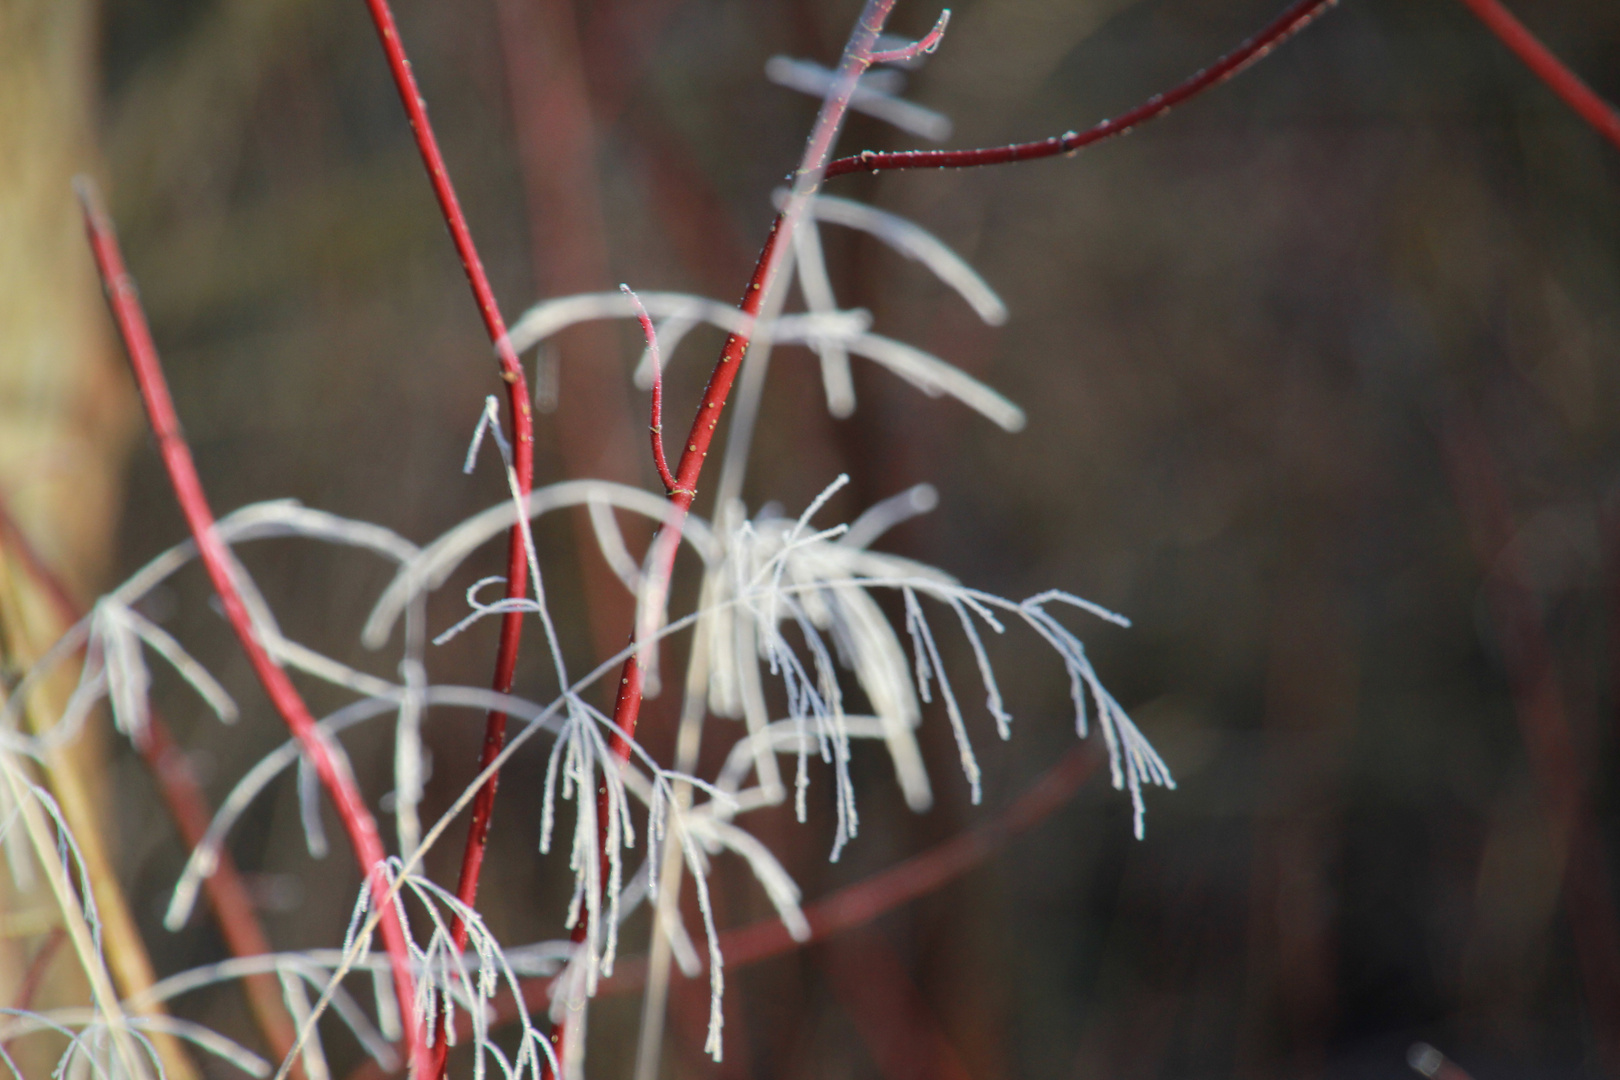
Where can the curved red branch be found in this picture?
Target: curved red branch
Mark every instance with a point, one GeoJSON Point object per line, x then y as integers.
{"type": "Point", "coordinates": [657, 425]}
{"type": "Point", "coordinates": [1290, 22]}
{"type": "Point", "coordinates": [334, 773]}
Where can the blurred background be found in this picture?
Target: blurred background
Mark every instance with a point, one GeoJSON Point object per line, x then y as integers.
{"type": "Point", "coordinates": [1322, 374]}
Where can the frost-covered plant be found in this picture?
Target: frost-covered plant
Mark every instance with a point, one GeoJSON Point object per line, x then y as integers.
{"type": "Point", "coordinates": [817, 643]}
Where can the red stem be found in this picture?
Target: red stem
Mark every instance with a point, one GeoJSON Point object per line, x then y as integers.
{"type": "Point", "coordinates": [522, 437]}
{"type": "Point", "coordinates": [1548, 68]}
{"type": "Point", "coordinates": [334, 774]}
{"type": "Point", "coordinates": [657, 426]}
{"type": "Point", "coordinates": [1290, 22]}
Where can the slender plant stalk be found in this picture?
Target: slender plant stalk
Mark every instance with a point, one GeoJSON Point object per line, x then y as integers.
{"type": "Point", "coordinates": [1603, 117]}
{"type": "Point", "coordinates": [522, 439]}
{"type": "Point", "coordinates": [188, 807]}
{"type": "Point", "coordinates": [334, 773]}
{"type": "Point", "coordinates": [1294, 19]}
{"type": "Point", "coordinates": [47, 852]}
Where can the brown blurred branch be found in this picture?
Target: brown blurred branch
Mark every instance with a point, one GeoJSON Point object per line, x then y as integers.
{"type": "Point", "coordinates": [1543, 718]}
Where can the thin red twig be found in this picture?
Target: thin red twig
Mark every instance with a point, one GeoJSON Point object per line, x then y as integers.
{"type": "Point", "coordinates": [919, 48]}
{"type": "Point", "coordinates": [1603, 117]}
{"type": "Point", "coordinates": [1290, 22]}
{"type": "Point", "coordinates": [627, 703]}
{"type": "Point", "coordinates": [852, 906]}
{"type": "Point", "coordinates": [188, 807]}
{"type": "Point", "coordinates": [522, 437]}
{"type": "Point", "coordinates": [657, 425]}
{"type": "Point", "coordinates": [333, 772]}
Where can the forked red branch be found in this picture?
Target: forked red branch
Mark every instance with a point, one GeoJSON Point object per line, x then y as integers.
{"type": "Point", "coordinates": [657, 426]}
{"type": "Point", "coordinates": [332, 770]}
{"type": "Point", "coordinates": [1601, 115]}
{"type": "Point", "coordinates": [1290, 22]}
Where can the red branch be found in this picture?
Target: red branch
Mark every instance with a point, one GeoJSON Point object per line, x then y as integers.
{"type": "Point", "coordinates": [1548, 68]}
{"type": "Point", "coordinates": [522, 432]}
{"type": "Point", "coordinates": [657, 425]}
{"type": "Point", "coordinates": [188, 807]}
{"type": "Point", "coordinates": [334, 773]}
{"type": "Point", "coordinates": [1289, 23]}
{"type": "Point", "coordinates": [852, 906]}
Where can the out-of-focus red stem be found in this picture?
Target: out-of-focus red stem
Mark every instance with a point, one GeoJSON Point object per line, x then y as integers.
{"type": "Point", "coordinates": [854, 905]}
{"type": "Point", "coordinates": [554, 128]}
{"type": "Point", "coordinates": [1290, 22]}
{"type": "Point", "coordinates": [1538, 703]}
{"type": "Point", "coordinates": [35, 975]}
{"type": "Point", "coordinates": [226, 892]}
{"type": "Point", "coordinates": [858, 904]}
{"type": "Point", "coordinates": [188, 807]}
{"type": "Point", "coordinates": [1603, 117]}
{"type": "Point", "coordinates": [902, 1033]}
{"type": "Point", "coordinates": [522, 437]}
{"type": "Point", "coordinates": [334, 774]}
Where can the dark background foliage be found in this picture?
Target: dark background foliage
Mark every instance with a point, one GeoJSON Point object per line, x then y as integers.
{"type": "Point", "coordinates": [1322, 379]}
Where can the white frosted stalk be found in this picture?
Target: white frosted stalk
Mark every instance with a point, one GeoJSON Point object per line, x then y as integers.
{"type": "Point", "coordinates": [880, 517]}
{"type": "Point", "coordinates": [816, 285]}
{"type": "Point", "coordinates": [916, 243]}
{"type": "Point", "coordinates": [872, 99]}
{"type": "Point", "coordinates": [610, 542]}
{"type": "Point", "coordinates": [934, 376]}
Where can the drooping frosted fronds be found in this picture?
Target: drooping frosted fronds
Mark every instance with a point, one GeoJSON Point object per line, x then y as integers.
{"type": "Point", "coordinates": [773, 576]}
{"type": "Point", "coordinates": [451, 982]}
